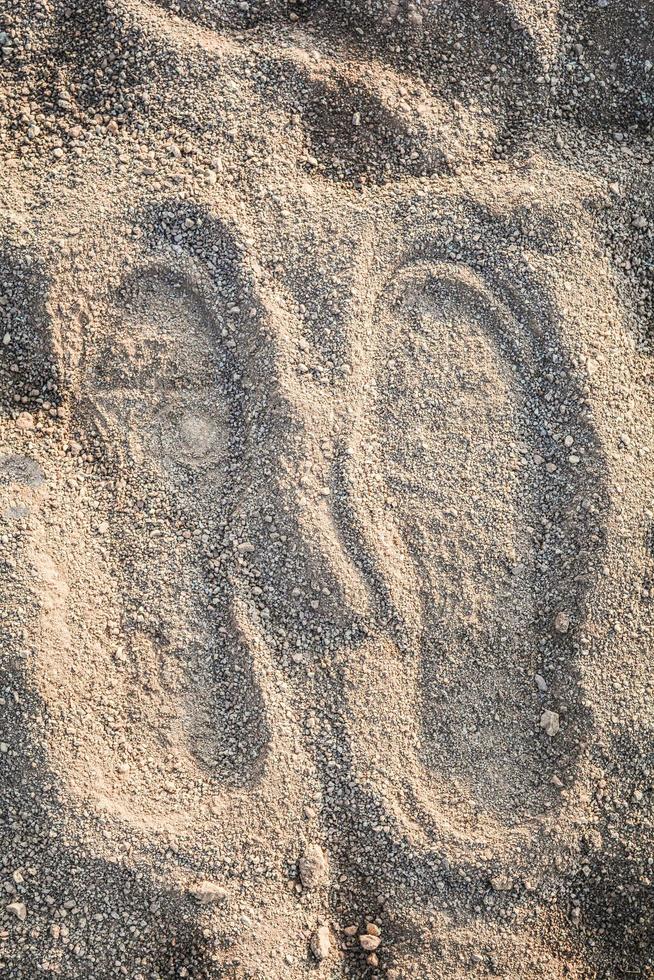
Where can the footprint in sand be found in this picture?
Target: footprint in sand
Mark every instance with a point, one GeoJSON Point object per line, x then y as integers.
{"type": "Point", "coordinates": [163, 400]}
{"type": "Point", "coordinates": [150, 636]}
{"type": "Point", "coordinates": [476, 481]}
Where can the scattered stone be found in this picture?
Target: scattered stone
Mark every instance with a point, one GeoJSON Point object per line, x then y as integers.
{"type": "Point", "coordinates": [549, 722]}
{"type": "Point", "coordinates": [19, 909]}
{"type": "Point", "coordinates": [369, 943]}
{"type": "Point", "coordinates": [314, 868]}
{"type": "Point", "coordinates": [562, 622]}
{"type": "Point", "coordinates": [208, 893]}
{"type": "Point", "coordinates": [25, 421]}
{"type": "Point", "coordinates": [320, 943]}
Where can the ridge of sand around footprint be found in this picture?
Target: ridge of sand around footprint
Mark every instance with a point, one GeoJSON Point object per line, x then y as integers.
{"type": "Point", "coordinates": [469, 537]}
{"type": "Point", "coordinates": [471, 497]}
{"type": "Point", "coordinates": [168, 681]}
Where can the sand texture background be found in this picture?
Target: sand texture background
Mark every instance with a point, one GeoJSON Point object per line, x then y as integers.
{"type": "Point", "coordinates": [326, 489]}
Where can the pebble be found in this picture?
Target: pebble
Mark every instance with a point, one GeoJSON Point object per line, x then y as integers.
{"type": "Point", "coordinates": [541, 683]}
{"type": "Point", "coordinates": [369, 943]}
{"type": "Point", "coordinates": [19, 909]}
{"type": "Point", "coordinates": [25, 421]}
{"type": "Point", "coordinates": [320, 943]}
{"type": "Point", "coordinates": [313, 867]}
{"type": "Point", "coordinates": [562, 622]}
{"type": "Point", "coordinates": [208, 892]}
{"type": "Point", "coordinates": [549, 722]}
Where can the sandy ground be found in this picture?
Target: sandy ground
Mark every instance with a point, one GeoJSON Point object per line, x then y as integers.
{"type": "Point", "coordinates": [326, 489]}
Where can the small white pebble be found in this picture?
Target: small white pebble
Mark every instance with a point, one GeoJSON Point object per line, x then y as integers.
{"type": "Point", "coordinates": [19, 909]}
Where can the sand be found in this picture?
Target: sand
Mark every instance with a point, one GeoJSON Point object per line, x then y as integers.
{"type": "Point", "coordinates": [326, 507]}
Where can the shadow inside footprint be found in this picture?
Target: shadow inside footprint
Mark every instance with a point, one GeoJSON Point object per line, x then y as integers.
{"type": "Point", "coordinates": [29, 374]}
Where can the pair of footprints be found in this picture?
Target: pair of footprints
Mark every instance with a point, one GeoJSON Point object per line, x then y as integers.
{"type": "Point", "coordinates": [461, 503]}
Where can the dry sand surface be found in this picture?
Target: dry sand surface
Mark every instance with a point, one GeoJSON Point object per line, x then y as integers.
{"type": "Point", "coordinates": [326, 489]}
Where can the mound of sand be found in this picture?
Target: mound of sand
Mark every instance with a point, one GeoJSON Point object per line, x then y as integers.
{"type": "Point", "coordinates": [326, 467]}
